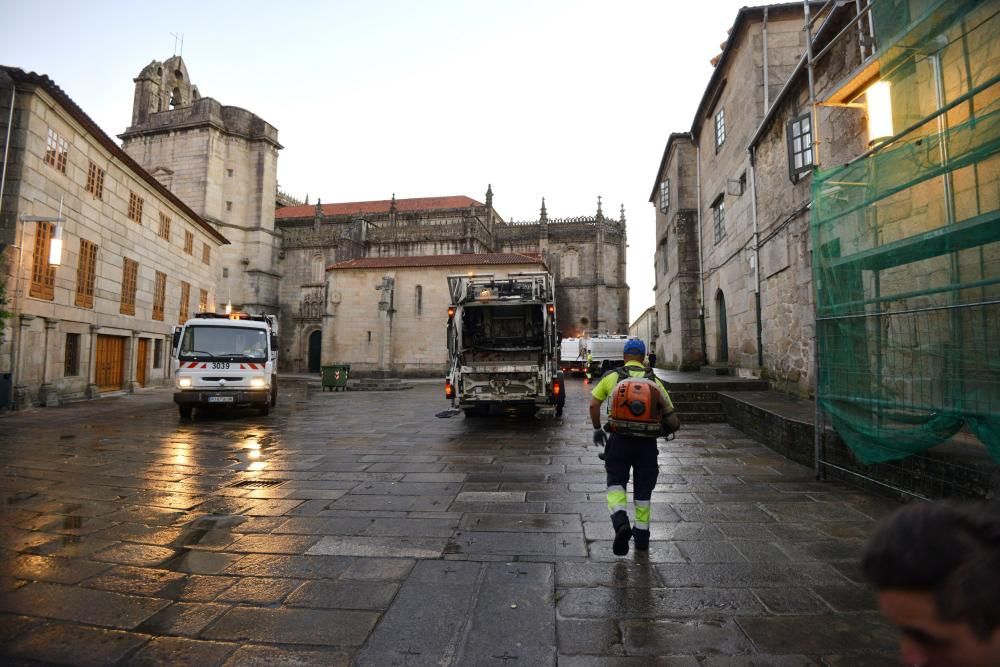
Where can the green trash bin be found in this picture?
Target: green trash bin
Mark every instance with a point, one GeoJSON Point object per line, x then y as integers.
{"type": "Point", "coordinates": [335, 377]}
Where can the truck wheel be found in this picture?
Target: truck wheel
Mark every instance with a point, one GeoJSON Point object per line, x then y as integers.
{"type": "Point", "coordinates": [274, 391]}
{"type": "Point", "coordinates": [478, 411]}
{"type": "Point", "coordinates": [185, 410]}
{"type": "Point", "coordinates": [264, 409]}
{"type": "Point", "coordinates": [559, 410]}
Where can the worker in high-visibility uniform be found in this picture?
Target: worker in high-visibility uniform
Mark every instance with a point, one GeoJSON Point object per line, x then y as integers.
{"type": "Point", "coordinates": [623, 453]}
{"type": "Point", "coordinates": [588, 372]}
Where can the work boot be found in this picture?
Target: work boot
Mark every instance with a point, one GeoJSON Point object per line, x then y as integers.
{"type": "Point", "coordinates": [641, 539]}
{"type": "Point", "coordinates": [623, 533]}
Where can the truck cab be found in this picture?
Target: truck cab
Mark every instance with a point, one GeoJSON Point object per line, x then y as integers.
{"type": "Point", "coordinates": [225, 361]}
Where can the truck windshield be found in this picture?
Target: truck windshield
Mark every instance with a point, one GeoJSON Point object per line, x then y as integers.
{"type": "Point", "coordinates": [200, 342]}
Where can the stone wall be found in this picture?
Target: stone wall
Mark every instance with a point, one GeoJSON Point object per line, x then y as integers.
{"type": "Point", "coordinates": [41, 325]}
{"type": "Point", "coordinates": [412, 341]}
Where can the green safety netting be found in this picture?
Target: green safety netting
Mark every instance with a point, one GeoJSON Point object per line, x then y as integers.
{"type": "Point", "coordinates": [906, 243]}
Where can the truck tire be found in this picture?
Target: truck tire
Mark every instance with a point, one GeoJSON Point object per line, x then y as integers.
{"type": "Point", "coordinates": [264, 409]}
{"type": "Point", "coordinates": [478, 411]}
{"type": "Point", "coordinates": [185, 411]}
{"type": "Point", "coordinates": [274, 391]}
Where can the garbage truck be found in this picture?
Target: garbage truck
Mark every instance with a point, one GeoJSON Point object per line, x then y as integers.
{"type": "Point", "coordinates": [225, 361]}
{"type": "Point", "coordinates": [605, 351]}
{"type": "Point", "coordinates": [503, 344]}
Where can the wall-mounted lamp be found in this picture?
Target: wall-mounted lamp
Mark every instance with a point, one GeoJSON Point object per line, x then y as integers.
{"type": "Point", "coordinates": [55, 246]}
{"type": "Point", "coordinates": [879, 103]}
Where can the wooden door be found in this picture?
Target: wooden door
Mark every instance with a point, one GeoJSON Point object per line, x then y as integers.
{"type": "Point", "coordinates": [110, 365]}
{"type": "Point", "coordinates": [315, 345]}
{"type": "Point", "coordinates": [142, 351]}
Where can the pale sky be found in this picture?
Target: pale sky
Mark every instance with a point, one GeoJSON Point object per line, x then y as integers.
{"type": "Point", "coordinates": [566, 99]}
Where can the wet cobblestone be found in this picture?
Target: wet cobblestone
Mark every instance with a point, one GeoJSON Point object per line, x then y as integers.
{"type": "Point", "coordinates": [348, 529]}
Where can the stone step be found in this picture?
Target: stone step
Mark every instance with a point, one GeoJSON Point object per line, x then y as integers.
{"type": "Point", "coordinates": [714, 370]}
{"type": "Point", "coordinates": [701, 418]}
{"type": "Point", "coordinates": [717, 385]}
{"type": "Point", "coordinates": [701, 406]}
{"type": "Point", "coordinates": [693, 396]}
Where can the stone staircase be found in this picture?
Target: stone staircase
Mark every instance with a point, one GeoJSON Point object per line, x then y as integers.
{"type": "Point", "coordinates": [698, 401]}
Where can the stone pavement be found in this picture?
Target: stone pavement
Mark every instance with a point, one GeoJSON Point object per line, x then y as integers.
{"type": "Point", "coordinates": [358, 528]}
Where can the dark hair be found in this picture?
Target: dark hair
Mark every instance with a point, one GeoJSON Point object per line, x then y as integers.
{"type": "Point", "coordinates": [951, 551]}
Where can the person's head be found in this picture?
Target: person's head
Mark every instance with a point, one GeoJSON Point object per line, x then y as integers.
{"type": "Point", "coordinates": [937, 570]}
{"type": "Point", "coordinates": [635, 350]}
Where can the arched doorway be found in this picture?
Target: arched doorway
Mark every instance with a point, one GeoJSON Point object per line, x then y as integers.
{"type": "Point", "coordinates": [315, 344]}
{"type": "Point", "coordinates": [722, 350]}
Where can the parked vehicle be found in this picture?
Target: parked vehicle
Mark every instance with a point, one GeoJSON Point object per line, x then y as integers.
{"type": "Point", "coordinates": [225, 361]}
{"type": "Point", "coordinates": [571, 356]}
{"type": "Point", "coordinates": [502, 343]}
{"type": "Point", "coordinates": [605, 351]}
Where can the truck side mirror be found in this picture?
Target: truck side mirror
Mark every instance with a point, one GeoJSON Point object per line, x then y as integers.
{"type": "Point", "coordinates": [176, 339]}
{"type": "Point", "coordinates": [274, 343]}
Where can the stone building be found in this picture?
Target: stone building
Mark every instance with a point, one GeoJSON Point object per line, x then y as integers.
{"type": "Point", "coordinates": [97, 314]}
{"type": "Point", "coordinates": [733, 266]}
{"type": "Point", "coordinates": [222, 161]}
{"type": "Point", "coordinates": [646, 329]}
{"type": "Point", "coordinates": [586, 255]}
{"type": "Point", "coordinates": [388, 314]}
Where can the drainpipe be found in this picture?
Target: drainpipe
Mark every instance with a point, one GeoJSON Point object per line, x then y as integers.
{"type": "Point", "coordinates": [767, 96]}
{"type": "Point", "coordinates": [701, 268]}
{"type": "Point", "coordinates": [756, 256]}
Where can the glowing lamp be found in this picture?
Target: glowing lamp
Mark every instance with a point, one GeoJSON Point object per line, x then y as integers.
{"type": "Point", "coordinates": [55, 247]}
{"type": "Point", "coordinates": [451, 312]}
{"type": "Point", "coordinates": [449, 390]}
{"type": "Point", "coordinates": [879, 104]}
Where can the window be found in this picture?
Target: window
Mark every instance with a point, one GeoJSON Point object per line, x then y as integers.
{"type": "Point", "coordinates": [130, 273]}
{"type": "Point", "coordinates": [157, 353]}
{"type": "Point", "coordinates": [135, 203]}
{"type": "Point", "coordinates": [71, 363]}
{"type": "Point", "coordinates": [206, 253]}
{"type": "Point", "coordinates": [719, 217]}
{"type": "Point", "coordinates": [159, 295]}
{"type": "Point", "coordinates": [664, 195]}
{"type": "Point", "coordinates": [43, 274]}
{"type": "Point", "coordinates": [225, 272]}
{"type": "Point", "coordinates": [164, 230]}
{"type": "Point", "coordinates": [188, 242]}
{"type": "Point", "coordinates": [56, 150]}
{"type": "Point", "coordinates": [800, 149]}
{"type": "Point", "coordinates": [720, 128]}
{"type": "Point", "coordinates": [229, 206]}
{"type": "Point", "coordinates": [667, 309]}
{"type": "Point", "coordinates": [203, 301]}
{"type": "Point", "coordinates": [95, 180]}
{"type": "Point", "coordinates": [663, 256]}
{"type": "Point", "coordinates": [229, 173]}
{"type": "Point", "coordinates": [185, 300]}
{"type": "Point", "coordinates": [86, 274]}
{"type": "Point", "coordinates": [570, 264]}
{"type": "Point", "coordinates": [418, 300]}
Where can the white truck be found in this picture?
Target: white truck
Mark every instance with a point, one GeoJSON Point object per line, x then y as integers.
{"type": "Point", "coordinates": [502, 344]}
{"type": "Point", "coordinates": [571, 356]}
{"type": "Point", "coordinates": [225, 361]}
{"type": "Point", "coordinates": [605, 351]}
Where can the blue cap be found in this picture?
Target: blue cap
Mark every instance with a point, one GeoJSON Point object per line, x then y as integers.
{"type": "Point", "coordinates": [634, 346]}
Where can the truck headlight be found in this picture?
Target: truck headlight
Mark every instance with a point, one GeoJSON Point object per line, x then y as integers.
{"type": "Point", "coordinates": [257, 383]}
{"type": "Point", "coordinates": [183, 383]}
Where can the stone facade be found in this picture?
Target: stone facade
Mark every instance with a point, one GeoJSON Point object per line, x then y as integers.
{"type": "Point", "coordinates": [713, 273]}
{"type": "Point", "coordinates": [51, 341]}
{"type": "Point", "coordinates": [646, 329]}
{"type": "Point", "coordinates": [388, 315]}
{"type": "Point", "coordinates": [585, 254]}
{"type": "Point", "coordinates": [220, 160]}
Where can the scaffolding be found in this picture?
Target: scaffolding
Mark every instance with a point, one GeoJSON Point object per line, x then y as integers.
{"type": "Point", "coordinates": [906, 242]}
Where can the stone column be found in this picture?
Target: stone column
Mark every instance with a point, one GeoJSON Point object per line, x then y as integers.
{"type": "Point", "coordinates": [133, 347]}
{"type": "Point", "coordinates": [92, 389]}
{"type": "Point", "coordinates": [47, 393]}
{"type": "Point", "coordinates": [22, 394]}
